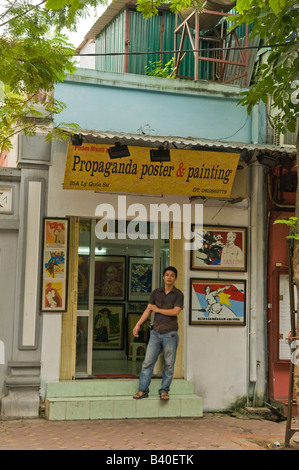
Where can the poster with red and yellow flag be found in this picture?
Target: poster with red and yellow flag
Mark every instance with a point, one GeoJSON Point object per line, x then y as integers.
{"type": "Point", "coordinates": [215, 302]}
{"type": "Point", "coordinates": [189, 172]}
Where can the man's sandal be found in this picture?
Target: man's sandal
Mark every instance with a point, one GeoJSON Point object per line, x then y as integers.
{"type": "Point", "coordinates": [140, 395]}
{"type": "Point", "coordinates": [164, 395]}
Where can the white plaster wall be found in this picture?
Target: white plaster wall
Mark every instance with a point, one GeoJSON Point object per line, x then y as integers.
{"type": "Point", "coordinates": [50, 353]}
{"type": "Point", "coordinates": [13, 153]}
{"type": "Point", "coordinates": [216, 356]}
{"type": "Point", "coordinates": [217, 363]}
{"type": "Point", "coordinates": [88, 62]}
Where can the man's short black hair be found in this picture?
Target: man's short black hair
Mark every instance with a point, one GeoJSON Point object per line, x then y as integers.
{"type": "Point", "coordinates": [171, 268]}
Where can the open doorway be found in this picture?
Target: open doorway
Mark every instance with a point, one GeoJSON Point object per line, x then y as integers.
{"type": "Point", "coordinates": [115, 279]}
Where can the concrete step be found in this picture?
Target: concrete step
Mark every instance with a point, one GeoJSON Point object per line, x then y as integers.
{"type": "Point", "coordinates": [113, 399]}
{"type": "Point", "coordinates": [122, 407]}
{"type": "Point", "coordinates": [112, 387]}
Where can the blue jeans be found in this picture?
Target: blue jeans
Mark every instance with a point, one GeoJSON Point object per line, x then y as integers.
{"type": "Point", "coordinates": [167, 342]}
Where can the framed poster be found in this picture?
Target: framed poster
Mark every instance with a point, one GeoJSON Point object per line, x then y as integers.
{"type": "Point", "coordinates": [109, 278]}
{"type": "Point", "coordinates": [55, 265]}
{"type": "Point", "coordinates": [223, 249]}
{"type": "Point", "coordinates": [108, 326]}
{"type": "Point", "coordinates": [140, 278]}
{"type": "Point", "coordinates": [217, 302]}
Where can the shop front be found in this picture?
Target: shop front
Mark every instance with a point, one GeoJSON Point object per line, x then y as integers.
{"type": "Point", "coordinates": [121, 256]}
{"type": "Point", "coordinates": [104, 251]}
{"type": "Point", "coordinates": [121, 237]}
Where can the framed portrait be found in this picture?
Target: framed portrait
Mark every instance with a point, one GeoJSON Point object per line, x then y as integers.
{"type": "Point", "coordinates": [140, 278]}
{"type": "Point", "coordinates": [109, 277]}
{"type": "Point", "coordinates": [217, 302]}
{"type": "Point", "coordinates": [223, 249]}
{"type": "Point", "coordinates": [108, 326]}
{"type": "Point", "coordinates": [55, 265]}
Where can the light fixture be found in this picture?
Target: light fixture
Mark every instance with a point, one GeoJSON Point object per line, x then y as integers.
{"type": "Point", "coordinates": [118, 151]}
{"type": "Point", "coordinates": [77, 140]}
{"type": "Point", "coordinates": [83, 250]}
{"type": "Point", "coordinates": [160, 155]}
{"type": "Point", "coordinates": [286, 161]}
{"type": "Point", "coordinates": [246, 156]}
{"type": "Point", "coordinates": [100, 251]}
{"type": "Point", "coordinates": [267, 159]}
{"type": "Point", "coordinates": [288, 182]}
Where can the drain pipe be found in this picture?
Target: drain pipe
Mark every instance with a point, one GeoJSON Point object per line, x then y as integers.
{"type": "Point", "coordinates": [257, 346]}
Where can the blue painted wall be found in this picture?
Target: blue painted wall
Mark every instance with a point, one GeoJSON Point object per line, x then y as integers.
{"type": "Point", "coordinates": [130, 103]}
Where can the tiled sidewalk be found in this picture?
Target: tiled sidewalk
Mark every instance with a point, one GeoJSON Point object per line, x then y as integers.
{"type": "Point", "coordinates": [212, 432]}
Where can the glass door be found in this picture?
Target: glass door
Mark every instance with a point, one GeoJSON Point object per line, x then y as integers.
{"type": "Point", "coordinates": [83, 302]}
{"type": "Point", "coordinates": [115, 280]}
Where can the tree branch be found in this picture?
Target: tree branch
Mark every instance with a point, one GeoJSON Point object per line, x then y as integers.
{"type": "Point", "coordinates": [22, 14]}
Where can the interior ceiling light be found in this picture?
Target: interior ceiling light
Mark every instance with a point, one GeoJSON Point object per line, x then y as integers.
{"type": "Point", "coordinates": [118, 151]}
{"type": "Point", "coordinates": [160, 155]}
{"type": "Point", "coordinates": [267, 159]}
{"type": "Point", "coordinates": [77, 140]}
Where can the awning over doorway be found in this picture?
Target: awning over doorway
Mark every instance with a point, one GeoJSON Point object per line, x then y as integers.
{"type": "Point", "coordinates": [196, 167]}
{"type": "Point", "coordinates": [149, 140]}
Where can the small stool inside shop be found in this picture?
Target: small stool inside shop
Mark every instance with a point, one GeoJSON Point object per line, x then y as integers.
{"type": "Point", "coordinates": [137, 351]}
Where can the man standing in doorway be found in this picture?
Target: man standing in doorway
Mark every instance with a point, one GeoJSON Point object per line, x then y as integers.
{"type": "Point", "coordinates": [166, 302]}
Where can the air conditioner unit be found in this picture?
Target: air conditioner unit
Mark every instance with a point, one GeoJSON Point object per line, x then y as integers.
{"type": "Point", "coordinates": [283, 140]}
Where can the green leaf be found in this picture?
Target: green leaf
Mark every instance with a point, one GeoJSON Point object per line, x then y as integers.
{"type": "Point", "coordinates": [285, 222]}
{"type": "Point", "coordinates": [56, 4]}
{"type": "Point", "coordinates": [295, 236]}
{"type": "Point", "coordinates": [34, 56]}
{"type": "Point", "coordinates": [241, 5]}
{"type": "Point", "coordinates": [291, 126]}
{"type": "Point", "coordinates": [275, 5]}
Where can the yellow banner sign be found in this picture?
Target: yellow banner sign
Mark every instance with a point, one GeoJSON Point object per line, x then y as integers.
{"type": "Point", "coordinates": [189, 172]}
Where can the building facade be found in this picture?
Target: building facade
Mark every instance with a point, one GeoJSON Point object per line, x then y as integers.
{"type": "Point", "coordinates": [60, 324]}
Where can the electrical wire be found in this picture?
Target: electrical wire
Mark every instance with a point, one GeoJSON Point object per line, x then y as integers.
{"type": "Point", "coordinates": [230, 136]}
{"type": "Point", "coordinates": [264, 46]}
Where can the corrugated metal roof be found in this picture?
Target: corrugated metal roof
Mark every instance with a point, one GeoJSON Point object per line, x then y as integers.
{"type": "Point", "coordinates": [112, 10]}
{"type": "Point", "coordinates": [174, 141]}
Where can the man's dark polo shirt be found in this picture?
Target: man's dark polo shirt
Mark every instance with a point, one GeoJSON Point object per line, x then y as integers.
{"type": "Point", "coordinates": [174, 298]}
